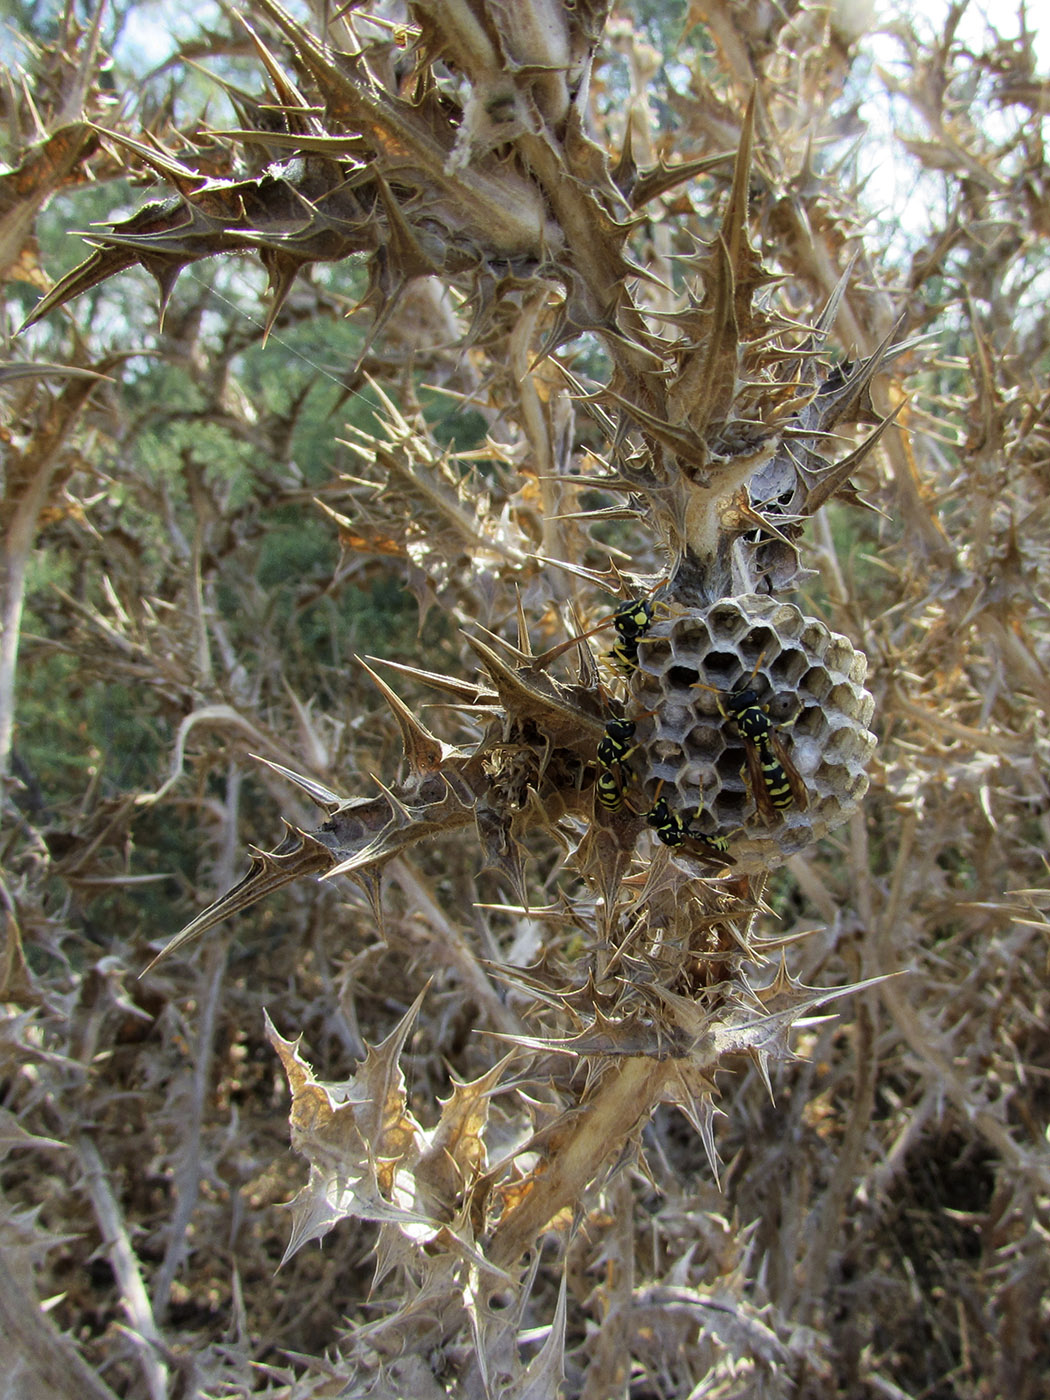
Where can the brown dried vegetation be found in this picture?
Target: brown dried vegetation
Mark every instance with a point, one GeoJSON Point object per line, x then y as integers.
{"type": "Point", "coordinates": [705, 1057]}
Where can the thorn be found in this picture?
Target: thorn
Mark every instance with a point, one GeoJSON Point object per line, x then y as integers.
{"type": "Point", "coordinates": [524, 641]}
{"type": "Point", "coordinates": [281, 270]}
{"type": "Point", "coordinates": [424, 752]}
{"type": "Point", "coordinates": [469, 692]}
{"type": "Point", "coordinates": [392, 798]}
{"type": "Point", "coordinates": [324, 797]}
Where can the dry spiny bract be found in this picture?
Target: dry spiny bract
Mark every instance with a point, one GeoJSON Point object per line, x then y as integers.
{"type": "Point", "coordinates": [691, 743]}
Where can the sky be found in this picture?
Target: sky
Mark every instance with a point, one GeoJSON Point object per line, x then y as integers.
{"type": "Point", "coordinates": [895, 197]}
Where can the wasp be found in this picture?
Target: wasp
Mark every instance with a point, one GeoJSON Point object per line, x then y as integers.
{"type": "Point", "coordinates": [775, 782]}
{"type": "Point", "coordinates": [608, 789]}
{"type": "Point", "coordinates": [631, 620]}
{"type": "Point", "coordinates": [614, 749]}
{"type": "Point", "coordinates": [674, 830]}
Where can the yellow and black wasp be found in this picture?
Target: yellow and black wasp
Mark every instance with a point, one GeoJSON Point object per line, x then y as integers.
{"type": "Point", "coordinates": [774, 780]}
{"type": "Point", "coordinates": [631, 620]}
{"type": "Point", "coordinates": [674, 830]}
{"type": "Point", "coordinates": [614, 749]}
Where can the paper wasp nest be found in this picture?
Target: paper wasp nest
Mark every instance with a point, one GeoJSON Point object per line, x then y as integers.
{"type": "Point", "coordinates": [806, 679]}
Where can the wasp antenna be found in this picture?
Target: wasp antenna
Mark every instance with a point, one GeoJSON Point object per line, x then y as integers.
{"type": "Point", "coordinates": [754, 669]}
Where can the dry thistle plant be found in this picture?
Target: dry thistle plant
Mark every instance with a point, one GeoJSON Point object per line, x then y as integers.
{"type": "Point", "coordinates": [677, 345]}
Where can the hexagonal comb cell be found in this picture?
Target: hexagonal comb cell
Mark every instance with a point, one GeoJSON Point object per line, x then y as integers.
{"type": "Point", "coordinates": [759, 721]}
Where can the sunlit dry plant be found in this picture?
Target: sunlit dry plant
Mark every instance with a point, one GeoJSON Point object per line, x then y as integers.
{"type": "Point", "coordinates": [641, 720]}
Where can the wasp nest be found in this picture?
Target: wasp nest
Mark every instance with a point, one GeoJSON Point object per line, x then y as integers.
{"type": "Point", "coordinates": [759, 725]}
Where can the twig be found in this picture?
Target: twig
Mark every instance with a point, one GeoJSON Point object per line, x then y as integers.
{"type": "Point", "coordinates": [188, 1171]}
{"type": "Point", "coordinates": [126, 1267]}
